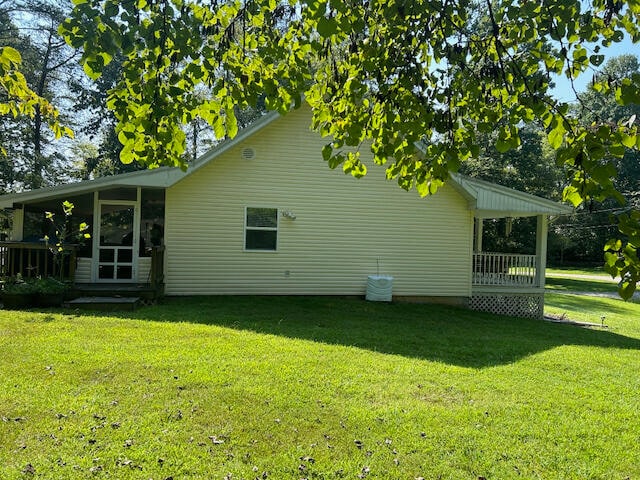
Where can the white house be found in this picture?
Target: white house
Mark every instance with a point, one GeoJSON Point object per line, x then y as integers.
{"type": "Point", "coordinates": [263, 214]}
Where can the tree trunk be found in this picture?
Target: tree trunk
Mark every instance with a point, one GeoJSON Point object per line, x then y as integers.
{"type": "Point", "coordinates": [38, 159]}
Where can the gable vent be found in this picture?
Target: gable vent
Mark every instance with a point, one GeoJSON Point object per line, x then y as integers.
{"type": "Point", "coordinates": [248, 153]}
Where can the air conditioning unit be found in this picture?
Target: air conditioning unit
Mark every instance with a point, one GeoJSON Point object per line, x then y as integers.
{"type": "Point", "coordinates": [379, 288]}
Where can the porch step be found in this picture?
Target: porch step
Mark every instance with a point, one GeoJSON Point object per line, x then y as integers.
{"type": "Point", "coordinates": [107, 304]}
{"type": "Point", "coordinates": [144, 291]}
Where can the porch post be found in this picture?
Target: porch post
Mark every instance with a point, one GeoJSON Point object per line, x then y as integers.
{"type": "Point", "coordinates": [478, 244]}
{"type": "Point", "coordinates": [541, 249]}
{"type": "Point", "coordinates": [17, 232]}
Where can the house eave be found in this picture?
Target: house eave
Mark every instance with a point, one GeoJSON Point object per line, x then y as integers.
{"type": "Point", "coordinates": [158, 178]}
{"type": "Point", "coordinates": [489, 200]}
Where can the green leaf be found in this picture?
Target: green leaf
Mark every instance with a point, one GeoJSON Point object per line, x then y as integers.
{"type": "Point", "coordinates": [218, 127]}
{"type": "Point", "coordinates": [127, 155]}
{"type": "Point", "coordinates": [572, 195]}
{"type": "Point", "coordinates": [422, 187]}
{"type": "Point", "coordinates": [327, 27]}
{"type": "Point", "coordinates": [327, 150]}
{"type": "Point", "coordinates": [613, 244]}
{"type": "Point", "coordinates": [610, 260]}
{"type": "Point", "coordinates": [556, 137]}
{"type": "Point", "coordinates": [88, 69]}
{"type": "Point", "coordinates": [12, 55]}
{"type": "Point", "coordinates": [231, 122]}
{"type": "Point", "coordinates": [626, 289]}
{"type": "Point", "coordinates": [503, 146]}
{"type": "Point", "coordinates": [629, 141]}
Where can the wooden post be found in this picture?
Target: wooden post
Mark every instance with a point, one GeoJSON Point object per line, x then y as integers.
{"type": "Point", "coordinates": [73, 260]}
{"type": "Point", "coordinates": [18, 225]}
{"type": "Point", "coordinates": [541, 249]}
{"type": "Point", "coordinates": [154, 266]}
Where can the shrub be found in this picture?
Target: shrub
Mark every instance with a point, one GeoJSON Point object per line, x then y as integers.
{"type": "Point", "coordinates": [49, 285]}
{"type": "Point", "coordinates": [17, 285]}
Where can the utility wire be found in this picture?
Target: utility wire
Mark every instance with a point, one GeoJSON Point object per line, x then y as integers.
{"type": "Point", "coordinates": [576, 226]}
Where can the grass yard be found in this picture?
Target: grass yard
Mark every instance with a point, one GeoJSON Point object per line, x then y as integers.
{"type": "Point", "coordinates": [319, 388]}
{"type": "Point", "coordinates": [599, 270]}
{"type": "Point", "coordinates": [576, 284]}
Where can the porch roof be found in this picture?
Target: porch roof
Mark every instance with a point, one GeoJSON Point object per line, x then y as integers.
{"type": "Point", "coordinates": [489, 200]}
{"type": "Point", "coordinates": [156, 178]}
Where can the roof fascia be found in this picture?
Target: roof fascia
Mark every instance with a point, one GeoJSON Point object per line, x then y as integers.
{"type": "Point", "coordinates": [543, 205]}
{"type": "Point", "coordinates": [158, 178]}
{"type": "Point", "coordinates": [466, 187]}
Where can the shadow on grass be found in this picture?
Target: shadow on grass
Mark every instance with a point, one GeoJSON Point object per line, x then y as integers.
{"type": "Point", "coordinates": [439, 333]}
{"type": "Point", "coordinates": [571, 284]}
{"type": "Point", "coordinates": [572, 302]}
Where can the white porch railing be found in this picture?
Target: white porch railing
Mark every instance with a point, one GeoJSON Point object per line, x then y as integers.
{"type": "Point", "coordinates": [504, 270]}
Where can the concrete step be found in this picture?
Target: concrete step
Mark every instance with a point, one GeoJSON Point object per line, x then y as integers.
{"type": "Point", "coordinates": [105, 304]}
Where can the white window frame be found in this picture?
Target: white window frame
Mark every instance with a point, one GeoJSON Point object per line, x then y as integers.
{"type": "Point", "coordinates": [267, 229]}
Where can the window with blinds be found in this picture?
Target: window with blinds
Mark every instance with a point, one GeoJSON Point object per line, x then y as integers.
{"type": "Point", "coordinates": [261, 229]}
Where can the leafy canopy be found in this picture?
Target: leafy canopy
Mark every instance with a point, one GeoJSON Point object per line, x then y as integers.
{"type": "Point", "coordinates": [18, 99]}
{"type": "Point", "coordinates": [415, 81]}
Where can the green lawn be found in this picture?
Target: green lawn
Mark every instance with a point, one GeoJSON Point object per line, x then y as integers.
{"type": "Point", "coordinates": [599, 270]}
{"type": "Point", "coordinates": [576, 284]}
{"type": "Point", "coordinates": [319, 388]}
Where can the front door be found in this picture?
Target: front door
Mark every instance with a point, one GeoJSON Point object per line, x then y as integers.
{"type": "Point", "coordinates": [119, 237]}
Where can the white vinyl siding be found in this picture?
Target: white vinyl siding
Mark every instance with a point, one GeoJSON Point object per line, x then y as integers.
{"type": "Point", "coordinates": [83, 270]}
{"type": "Point", "coordinates": [344, 229]}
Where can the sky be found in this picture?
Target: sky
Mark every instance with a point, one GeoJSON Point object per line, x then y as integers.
{"type": "Point", "coordinates": [563, 89]}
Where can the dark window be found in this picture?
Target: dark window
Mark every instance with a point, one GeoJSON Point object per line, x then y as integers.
{"type": "Point", "coordinates": [261, 229]}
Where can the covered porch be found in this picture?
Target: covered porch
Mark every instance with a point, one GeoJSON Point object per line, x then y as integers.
{"type": "Point", "coordinates": [124, 252]}
{"type": "Point", "coordinates": [508, 283]}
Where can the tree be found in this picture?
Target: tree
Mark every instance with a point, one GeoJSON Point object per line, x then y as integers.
{"type": "Point", "coordinates": [41, 55]}
{"type": "Point", "coordinates": [18, 99]}
{"type": "Point", "coordinates": [597, 108]}
{"type": "Point", "coordinates": [100, 126]}
{"type": "Point", "coordinates": [394, 73]}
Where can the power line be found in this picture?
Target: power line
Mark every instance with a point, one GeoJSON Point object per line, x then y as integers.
{"type": "Point", "coordinates": [577, 226]}
{"type": "Point", "coordinates": [618, 209]}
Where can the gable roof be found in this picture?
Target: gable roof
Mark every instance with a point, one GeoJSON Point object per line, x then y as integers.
{"type": "Point", "coordinates": [485, 199]}
{"type": "Point", "coordinates": [489, 200]}
{"type": "Point", "coordinates": [162, 177]}
{"type": "Point", "coordinates": [158, 178]}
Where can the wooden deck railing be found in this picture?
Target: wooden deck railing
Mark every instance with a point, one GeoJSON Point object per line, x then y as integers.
{"type": "Point", "coordinates": [32, 260]}
{"type": "Point", "coordinates": [36, 260]}
{"type": "Point", "coordinates": [504, 270]}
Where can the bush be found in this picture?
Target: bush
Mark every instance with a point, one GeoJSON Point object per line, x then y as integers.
{"type": "Point", "coordinates": [17, 286]}
{"type": "Point", "coordinates": [50, 285]}
{"type": "Point", "coordinates": [17, 293]}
